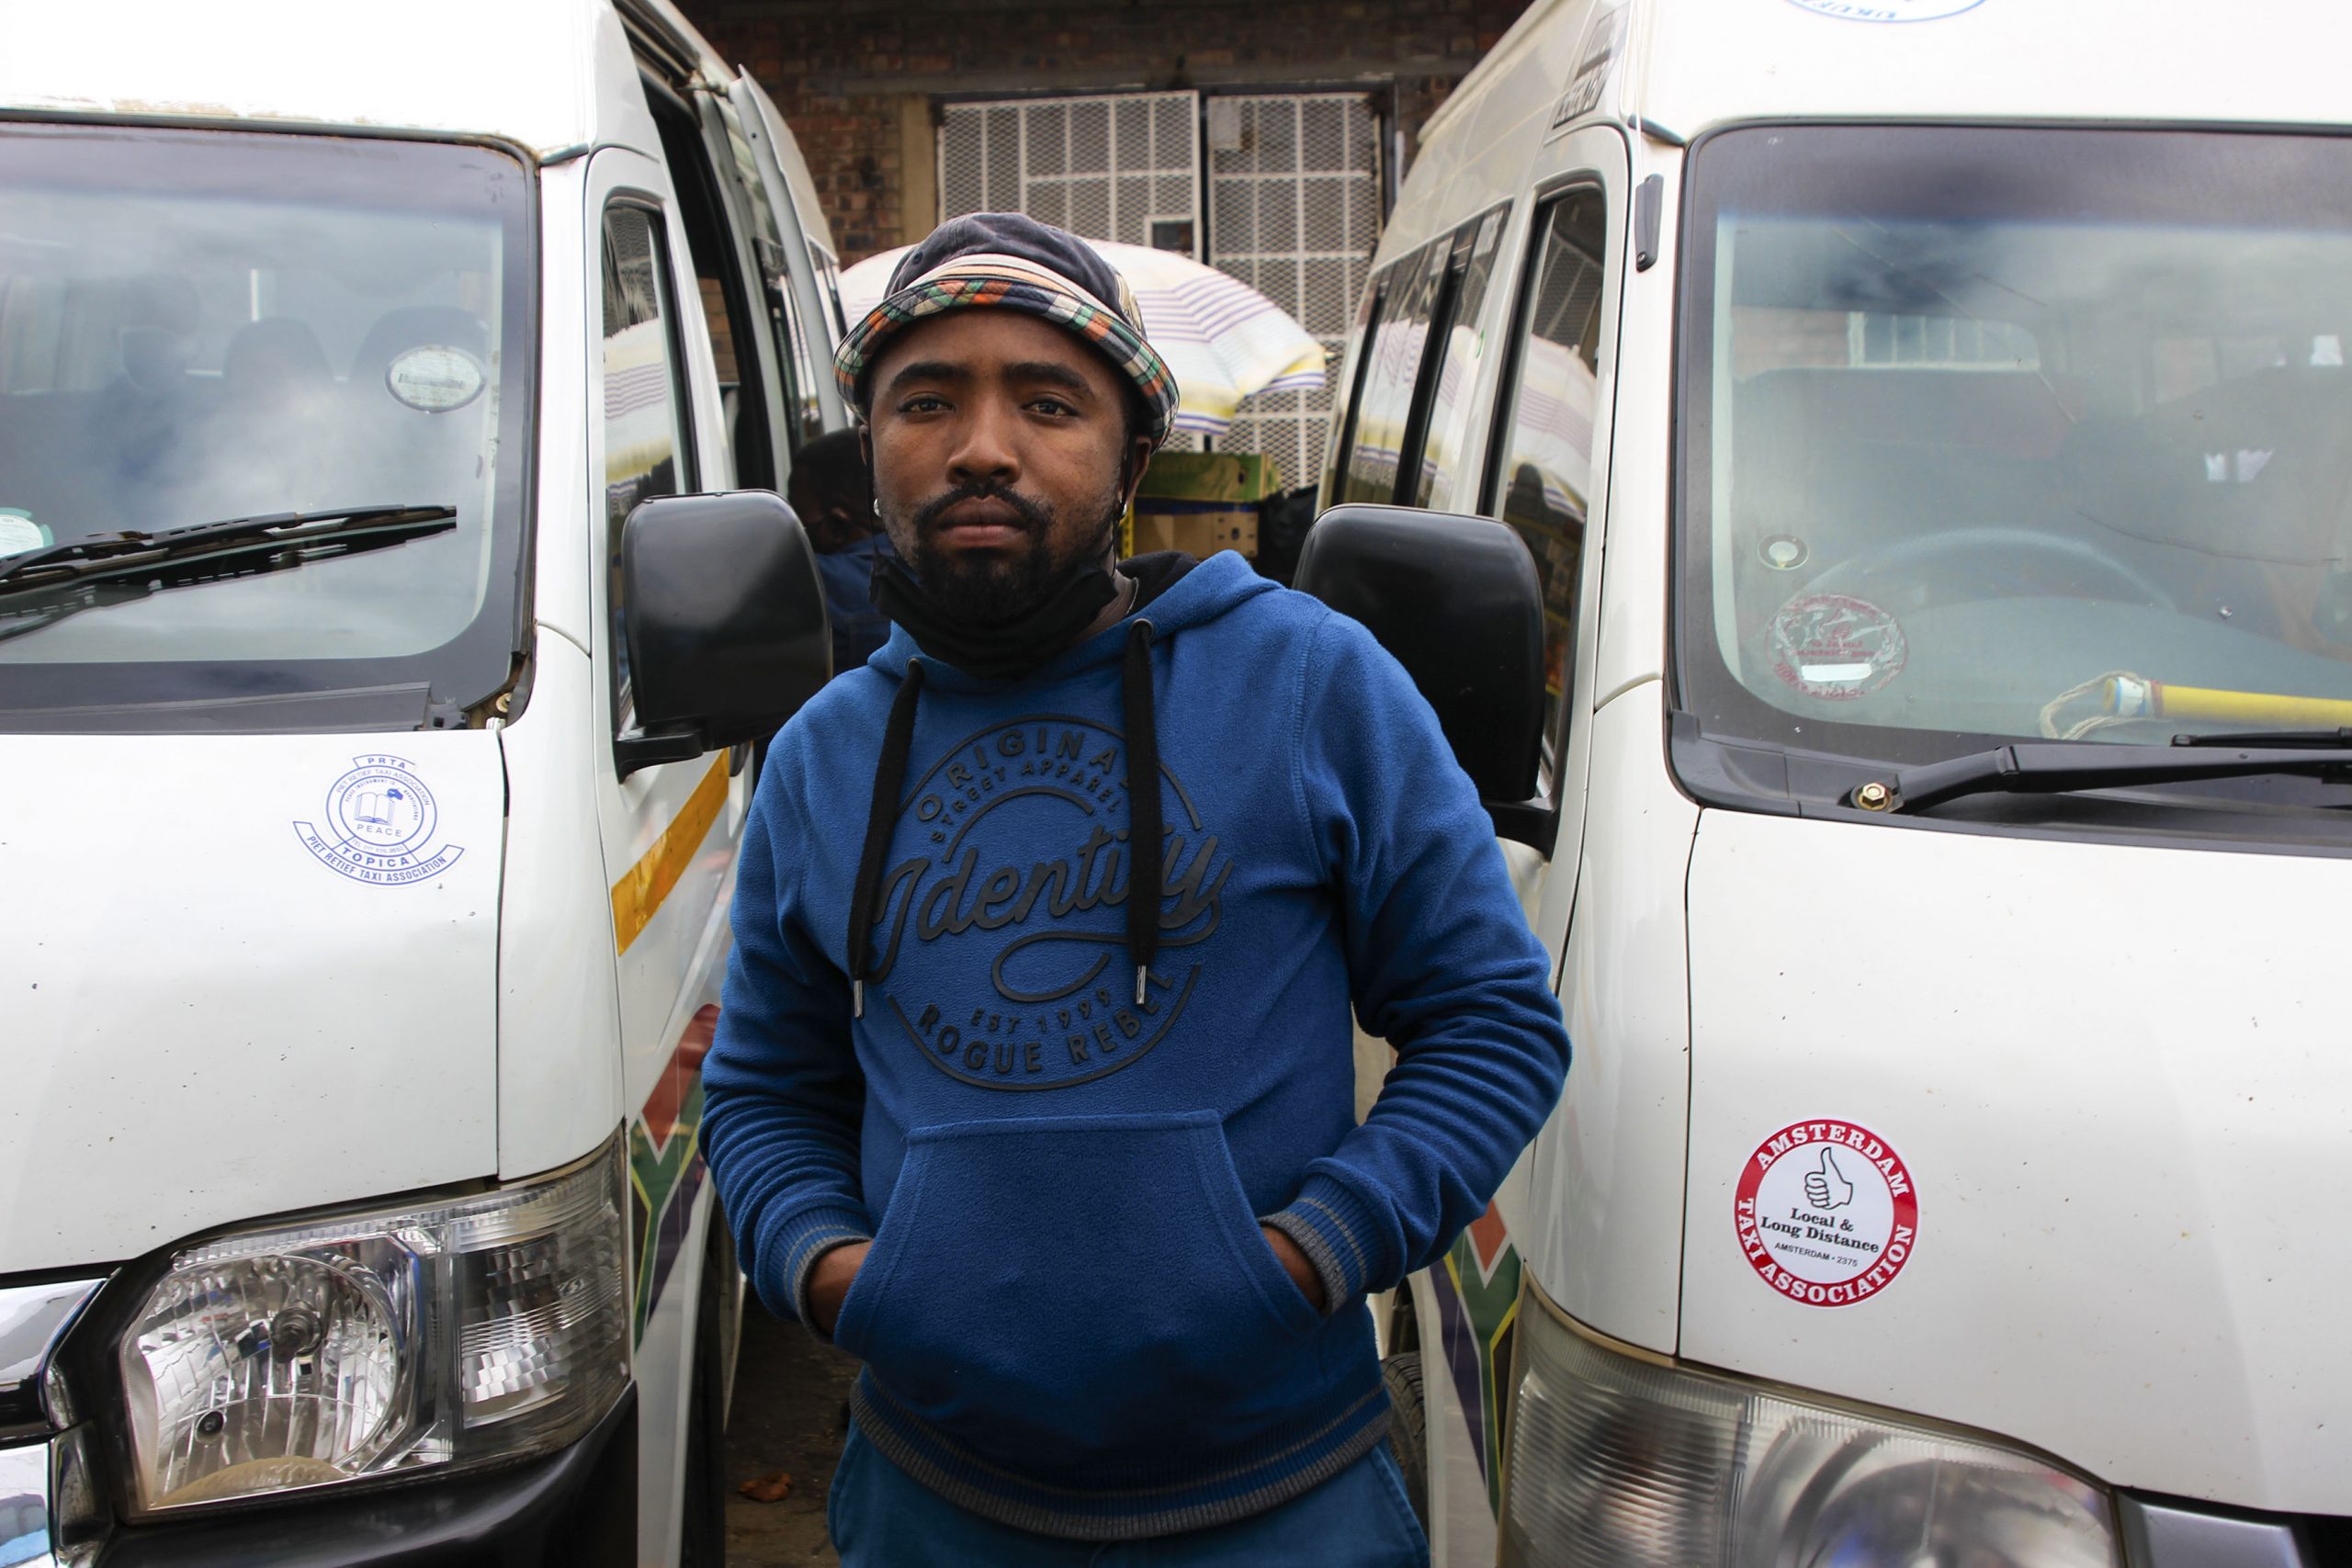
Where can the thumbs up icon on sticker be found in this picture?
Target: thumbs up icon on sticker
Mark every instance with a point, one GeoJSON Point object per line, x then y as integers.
{"type": "Point", "coordinates": [1828, 1188]}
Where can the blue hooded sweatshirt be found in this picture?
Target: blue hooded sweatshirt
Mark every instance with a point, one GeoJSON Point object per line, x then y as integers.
{"type": "Point", "coordinates": [1071, 1321]}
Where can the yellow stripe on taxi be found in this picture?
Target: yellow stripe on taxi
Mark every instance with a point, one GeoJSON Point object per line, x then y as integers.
{"type": "Point", "coordinates": [636, 898]}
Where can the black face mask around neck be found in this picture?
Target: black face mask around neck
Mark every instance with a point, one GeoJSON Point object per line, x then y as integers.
{"type": "Point", "coordinates": [1005, 650]}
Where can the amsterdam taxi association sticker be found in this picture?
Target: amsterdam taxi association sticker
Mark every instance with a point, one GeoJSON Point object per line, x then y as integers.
{"type": "Point", "coordinates": [1826, 1213]}
{"type": "Point", "coordinates": [379, 826]}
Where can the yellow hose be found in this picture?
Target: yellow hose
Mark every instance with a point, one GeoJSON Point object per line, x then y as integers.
{"type": "Point", "coordinates": [2130, 696]}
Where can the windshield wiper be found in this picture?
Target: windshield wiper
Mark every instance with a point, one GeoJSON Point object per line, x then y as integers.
{"type": "Point", "coordinates": [2056, 767]}
{"type": "Point", "coordinates": [2336, 737]}
{"type": "Point", "coordinates": [121, 568]}
{"type": "Point", "coordinates": [166, 555]}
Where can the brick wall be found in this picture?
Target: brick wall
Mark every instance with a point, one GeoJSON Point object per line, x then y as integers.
{"type": "Point", "coordinates": [856, 79]}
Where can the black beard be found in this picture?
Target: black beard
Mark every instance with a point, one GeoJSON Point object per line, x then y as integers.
{"type": "Point", "coordinates": [986, 591]}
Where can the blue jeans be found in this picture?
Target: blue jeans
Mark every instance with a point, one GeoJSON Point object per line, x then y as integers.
{"type": "Point", "coordinates": [881, 1517]}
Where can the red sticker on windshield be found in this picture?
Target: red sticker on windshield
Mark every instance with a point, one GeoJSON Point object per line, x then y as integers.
{"type": "Point", "coordinates": [1834, 646]}
{"type": "Point", "coordinates": [1825, 1212]}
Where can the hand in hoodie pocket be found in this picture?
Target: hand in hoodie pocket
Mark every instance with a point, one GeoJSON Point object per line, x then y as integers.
{"type": "Point", "coordinates": [1061, 1290]}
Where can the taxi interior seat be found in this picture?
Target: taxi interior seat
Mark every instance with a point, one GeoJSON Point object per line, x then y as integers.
{"type": "Point", "coordinates": [1856, 461]}
{"type": "Point", "coordinates": [2230, 492]}
{"type": "Point", "coordinates": [386, 452]}
{"type": "Point", "coordinates": [409, 445]}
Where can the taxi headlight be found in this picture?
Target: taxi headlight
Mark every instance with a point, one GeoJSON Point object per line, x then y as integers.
{"type": "Point", "coordinates": [1626, 1463]}
{"type": "Point", "coordinates": [366, 1344]}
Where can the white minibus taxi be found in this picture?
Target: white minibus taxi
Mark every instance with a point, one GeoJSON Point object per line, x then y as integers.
{"type": "Point", "coordinates": [1920, 719]}
{"type": "Point", "coordinates": [391, 586]}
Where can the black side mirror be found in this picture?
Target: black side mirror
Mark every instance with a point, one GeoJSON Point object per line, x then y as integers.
{"type": "Point", "coordinates": [724, 619]}
{"type": "Point", "coordinates": [1456, 600]}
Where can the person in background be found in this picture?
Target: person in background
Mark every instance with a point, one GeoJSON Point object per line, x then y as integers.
{"type": "Point", "coordinates": [829, 490]}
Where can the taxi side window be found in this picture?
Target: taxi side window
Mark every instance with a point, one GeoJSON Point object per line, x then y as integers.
{"type": "Point", "coordinates": [1446, 470]}
{"type": "Point", "coordinates": [804, 414]}
{"type": "Point", "coordinates": [803, 419]}
{"type": "Point", "coordinates": [646, 449]}
{"type": "Point", "coordinates": [1359, 341]}
{"type": "Point", "coordinates": [1541, 476]}
{"type": "Point", "coordinates": [829, 290]}
{"type": "Point", "coordinates": [1392, 374]}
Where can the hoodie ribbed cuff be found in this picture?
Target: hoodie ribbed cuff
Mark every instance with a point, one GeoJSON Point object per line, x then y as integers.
{"type": "Point", "coordinates": [804, 1238]}
{"type": "Point", "coordinates": [1335, 1229]}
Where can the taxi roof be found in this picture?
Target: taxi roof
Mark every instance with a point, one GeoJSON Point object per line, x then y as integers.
{"type": "Point", "coordinates": [554, 76]}
{"type": "Point", "coordinates": [1689, 66]}
{"type": "Point", "coordinates": [1701, 62]}
{"type": "Point", "coordinates": [1680, 68]}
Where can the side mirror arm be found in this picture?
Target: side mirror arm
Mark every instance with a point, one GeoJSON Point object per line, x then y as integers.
{"type": "Point", "coordinates": [1535, 823]}
{"type": "Point", "coordinates": [635, 748]}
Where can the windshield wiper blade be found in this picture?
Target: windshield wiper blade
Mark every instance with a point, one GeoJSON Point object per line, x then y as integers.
{"type": "Point", "coordinates": [2057, 767]}
{"type": "Point", "coordinates": [128, 567]}
{"type": "Point", "coordinates": [128, 553]}
{"type": "Point", "coordinates": [2336, 737]}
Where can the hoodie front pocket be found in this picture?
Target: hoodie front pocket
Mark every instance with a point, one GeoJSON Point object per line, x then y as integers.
{"type": "Point", "coordinates": [1066, 1289]}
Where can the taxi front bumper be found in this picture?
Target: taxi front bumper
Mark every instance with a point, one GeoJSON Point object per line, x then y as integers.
{"type": "Point", "coordinates": [575, 1506]}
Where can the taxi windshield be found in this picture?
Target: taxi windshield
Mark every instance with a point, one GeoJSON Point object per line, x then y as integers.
{"type": "Point", "coordinates": [2008, 433]}
{"type": "Point", "coordinates": [206, 325]}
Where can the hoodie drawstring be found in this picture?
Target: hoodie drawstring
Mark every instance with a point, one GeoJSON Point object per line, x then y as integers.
{"type": "Point", "coordinates": [1145, 828]}
{"type": "Point", "coordinates": [881, 817]}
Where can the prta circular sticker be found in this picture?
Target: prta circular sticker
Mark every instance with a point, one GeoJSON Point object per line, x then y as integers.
{"type": "Point", "coordinates": [19, 533]}
{"type": "Point", "coordinates": [1834, 646]}
{"type": "Point", "coordinates": [1825, 1212]}
{"type": "Point", "coordinates": [1887, 10]}
{"type": "Point", "coordinates": [435, 379]}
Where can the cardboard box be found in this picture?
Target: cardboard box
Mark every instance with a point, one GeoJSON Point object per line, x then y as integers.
{"type": "Point", "coordinates": [1229, 478]}
{"type": "Point", "coordinates": [1198, 534]}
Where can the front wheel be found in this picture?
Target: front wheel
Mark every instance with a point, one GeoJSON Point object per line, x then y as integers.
{"type": "Point", "coordinates": [1408, 1428]}
{"type": "Point", "coordinates": [702, 1503]}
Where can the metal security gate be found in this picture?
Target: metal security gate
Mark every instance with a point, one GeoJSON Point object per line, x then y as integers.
{"type": "Point", "coordinates": [1294, 212]}
{"type": "Point", "coordinates": [1293, 209]}
{"type": "Point", "coordinates": [1121, 168]}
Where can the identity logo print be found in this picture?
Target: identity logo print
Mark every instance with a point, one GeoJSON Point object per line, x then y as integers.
{"type": "Point", "coordinates": [1825, 1212]}
{"type": "Point", "coordinates": [1000, 940]}
{"type": "Point", "coordinates": [378, 826]}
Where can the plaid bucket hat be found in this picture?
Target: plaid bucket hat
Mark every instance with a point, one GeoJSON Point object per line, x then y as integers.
{"type": "Point", "coordinates": [1011, 260]}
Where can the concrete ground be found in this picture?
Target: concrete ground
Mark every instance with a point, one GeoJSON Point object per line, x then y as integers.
{"type": "Point", "coordinates": [787, 1416]}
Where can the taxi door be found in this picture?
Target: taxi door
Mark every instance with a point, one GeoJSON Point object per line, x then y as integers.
{"type": "Point", "coordinates": [669, 830]}
{"type": "Point", "coordinates": [805, 269]}
{"type": "Point", "coordinates": [1489, 386]}
{"type": "Point", "coordinates": [1549, 475]}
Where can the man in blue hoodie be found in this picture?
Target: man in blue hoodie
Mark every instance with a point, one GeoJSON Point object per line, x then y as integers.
{"type": "Point", "coordinates": [1033, 1082]}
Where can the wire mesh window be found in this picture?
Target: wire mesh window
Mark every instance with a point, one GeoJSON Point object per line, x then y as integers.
{"type": "Point", "coordinates": [1938, 342]}
{"type": "Point", "coordinates": [1293, 185]}
{"type": "Point", "coordinates": [1124, 167]}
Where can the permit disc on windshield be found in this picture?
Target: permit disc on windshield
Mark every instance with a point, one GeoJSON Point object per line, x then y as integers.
{"type": "Point", "coordinates": [1836, 646]}
{"type": "Point", "coordinates": [435, 380]}
{"type": "Point", "coordinates": [19, 533]}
